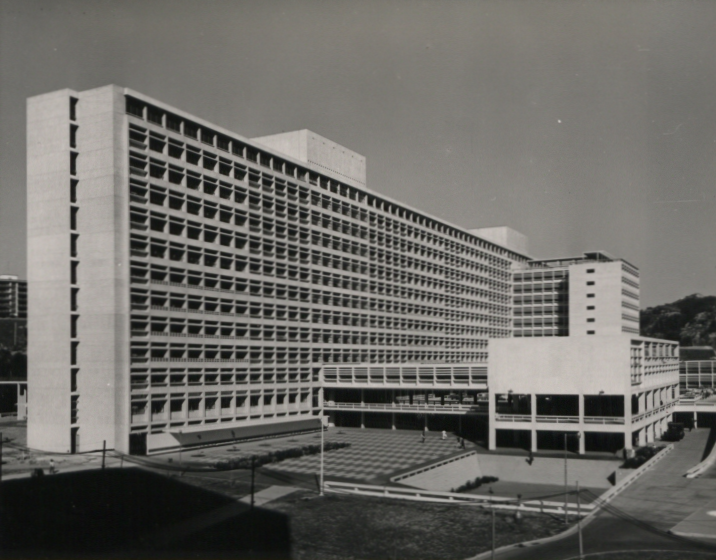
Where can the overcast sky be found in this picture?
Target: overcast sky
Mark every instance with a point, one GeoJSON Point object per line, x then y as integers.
{"type": "Point", "coordinates": [584, 125]}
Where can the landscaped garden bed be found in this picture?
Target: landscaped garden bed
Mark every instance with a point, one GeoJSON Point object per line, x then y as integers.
{"type": "Point", "coordinates": [260, 459]}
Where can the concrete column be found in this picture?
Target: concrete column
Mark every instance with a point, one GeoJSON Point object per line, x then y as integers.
{"type": "Point", "coordinates": [362, 419]}
{"type": "Point", "coordinates": [492, 431]}
{"type": "Point", "coordinates": [533, 407]}
{"type": "Point", "coordinates": [582, 443]}
{"type": "Point", "coordinates": [392, 420]}
{"type": "Point", "coordinates": [533, 440]}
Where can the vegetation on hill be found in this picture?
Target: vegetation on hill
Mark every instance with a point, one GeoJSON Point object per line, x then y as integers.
{"type": "Point", "coordinates": [691, 321]}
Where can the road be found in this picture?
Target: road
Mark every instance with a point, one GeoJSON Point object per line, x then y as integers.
{"type": "Point", "coordinates": [639, 518]}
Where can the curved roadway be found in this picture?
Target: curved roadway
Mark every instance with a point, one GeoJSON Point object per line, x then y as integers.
{"type": "Point", "coordinates": [639, 518]}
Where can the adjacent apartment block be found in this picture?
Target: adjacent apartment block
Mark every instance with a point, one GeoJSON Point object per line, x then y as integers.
{"type": "Point", "coordinates": [189, 285]}
{"type": "Point", "coordinates": [577, 373]}
{"type": "Point", "coordinates": [13, 297]}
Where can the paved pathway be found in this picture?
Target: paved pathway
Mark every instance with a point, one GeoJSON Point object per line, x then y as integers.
{"type": "Point", "coordinates": [661, 498]}
{"type": "Point", "coordinates": [269, 495]}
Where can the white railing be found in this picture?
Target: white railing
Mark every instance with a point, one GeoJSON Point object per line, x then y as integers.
{"type": "Point", "coordinates": [603, 420]}
{"type": "Point", "coordinates": [397, 407]}
{"type": "Point", "coordinates": [476, 500]}
{"type": "Point", "coordinates": [652, 412]}
{"type": "Point", "coordinates": [513, 418]}
{"type": "Point", "coordinates": [558, 419]}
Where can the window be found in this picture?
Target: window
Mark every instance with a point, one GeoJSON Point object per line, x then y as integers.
{"type": "Point", "coordinates": [590, 271]}
{"type": "Point", "coordinates": [591, 283]}
{"type": "Point", "coordinates": [590, 295]}
{"type": "Point", "coordinates": [590, 332]}
{"type": "Point", "coordinates": [73, 190]}
{"type": "Point", "coordinates": [135, 108]}
{"type": "Point", "coordinates": [173, 123]}
{"type": "Point", "coordinates": [73, 136]}
{"type": "Point", "coordinates": [73, 163]}
{"type": "Point", "coordinates": [73, 109]}
{"type": "Point", "coordinates": [590, 320]}
{"type": "Point", "coordinates": [590, 308]}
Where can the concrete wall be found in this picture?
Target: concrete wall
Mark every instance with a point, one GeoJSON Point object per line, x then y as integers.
{"type": "Point", "coordinates": [560, 365]}
{"type": "Point", "coordinates": [48, 270]}
{"type": "Point", "coordinates": [103, 252]}
{"type": "Point", "coordinates": [606, 300]}
{"type": "Point", "coordinates": [102, 275]}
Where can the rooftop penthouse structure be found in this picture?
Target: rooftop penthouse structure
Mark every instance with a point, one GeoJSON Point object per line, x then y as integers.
{"type": "Point", "coordinates": [189, 285]}
{"type": "Point", "coordinates": [592, 294]}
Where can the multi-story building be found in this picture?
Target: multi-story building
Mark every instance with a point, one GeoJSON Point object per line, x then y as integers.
{"type": "Point", "coordinates": [588, 295]}
{"type": "Point", "coordinates": [13, 297]}
{"type": "Point", "coordinates": [577, 371]}
{"type": "Point", "coordinates": [189, 285]}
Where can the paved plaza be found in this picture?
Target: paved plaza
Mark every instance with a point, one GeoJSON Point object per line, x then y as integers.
{"type": "Point", "coordinates": [373, 454]}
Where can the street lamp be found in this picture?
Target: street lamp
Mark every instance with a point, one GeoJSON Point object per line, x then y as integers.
{"type": "Point", "coordinates": [579, 435]}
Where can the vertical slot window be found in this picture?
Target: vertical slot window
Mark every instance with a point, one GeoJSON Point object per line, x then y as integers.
{"type": "Point", "coordinates": [73, 353]}
{"type": "Point", "coordinates": [73, 218]}
{"type": "Point", "coordinates": [73, 163]}
{"type": "Point", "coordinates": [73, 135]}
{"type": "Point", "coordinates": [73, 108]}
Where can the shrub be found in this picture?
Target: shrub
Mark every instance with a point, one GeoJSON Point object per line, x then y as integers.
{"type": "Point", "coordinates": [641, 456]}
{"type": "Point", "coordinates": [276, 456]}
{"type": "Point", "coordinates": [472, 484]}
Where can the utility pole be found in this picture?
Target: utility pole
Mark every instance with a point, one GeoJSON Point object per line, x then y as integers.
{"type": "Point", "coordinates": [579, 524]}
{"type": "Point", "coordinates": [253, 471]}
{"type": "Point", "coordinates": [492, 509]}
{"type": "Point", "coordinates": [322, 449]}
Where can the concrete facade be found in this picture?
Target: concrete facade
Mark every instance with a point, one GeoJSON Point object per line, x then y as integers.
{"type": "Point", "coordinates": [632, 381]}
{"type": "Point", "coordinates": [185, 280]}
{"type": "Point", "coordinates": [595, 294]}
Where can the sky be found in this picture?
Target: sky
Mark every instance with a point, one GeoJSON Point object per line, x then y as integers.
{"type": "Point", "coordinates": [584, 125]}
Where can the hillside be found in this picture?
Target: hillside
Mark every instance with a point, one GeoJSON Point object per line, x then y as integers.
{"type": "Point", "coordinates": [691, 321]}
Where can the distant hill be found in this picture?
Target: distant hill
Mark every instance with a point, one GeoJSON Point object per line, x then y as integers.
{"type": "Point", "coordinates": [691, 321]}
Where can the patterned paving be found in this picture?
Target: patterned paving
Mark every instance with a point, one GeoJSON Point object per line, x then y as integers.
{"type": "Point", "coordinates": [371, 454]}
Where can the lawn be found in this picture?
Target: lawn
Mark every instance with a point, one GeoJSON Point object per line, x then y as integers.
{"type": "Point", "coordinates": [357, 527]}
